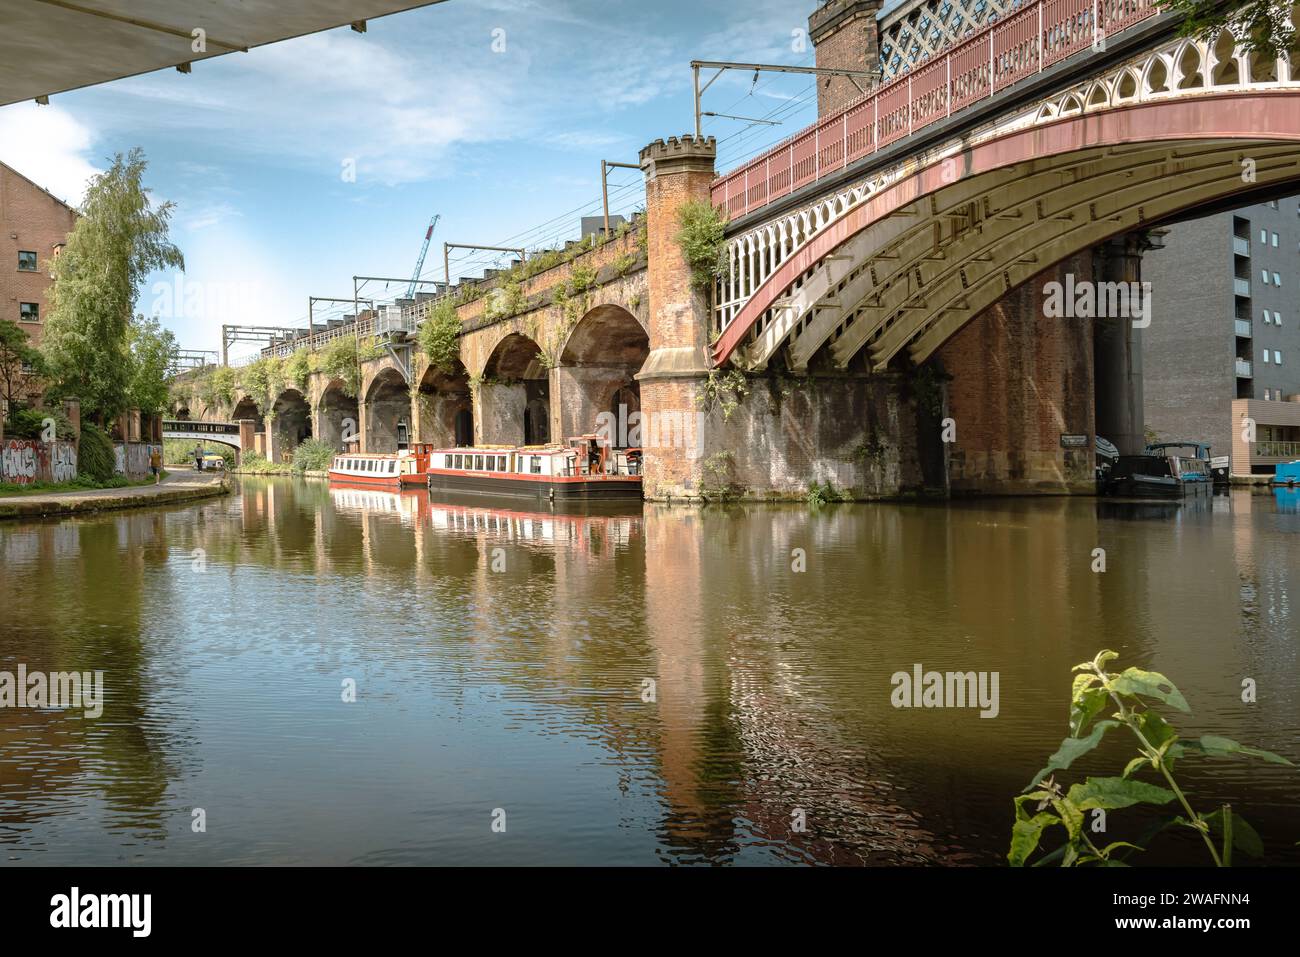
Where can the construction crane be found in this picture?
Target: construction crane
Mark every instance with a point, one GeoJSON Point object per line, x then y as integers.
{"type": "Point", "coordinates": [419, 264]}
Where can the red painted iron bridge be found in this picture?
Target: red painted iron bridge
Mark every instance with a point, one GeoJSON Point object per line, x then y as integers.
{"type": "Point", "coordinates": [1025, 42]}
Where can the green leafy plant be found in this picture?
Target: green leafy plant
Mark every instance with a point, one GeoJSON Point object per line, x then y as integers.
{"type": "Point", "coordinates": [718, 474]}
{"type": "Point", "coordinates": [506, 300]}
{"type": "Point", "coordinates": [1260, 26]}
{"type": "Point", "coordinates": [1159, 747]}
{"type": "Point", "coordinates": [95, 456]}
{"type": "Point", "coordinates": [30, 424]}
{"type": "Point", "coordinates": [623, 264]}
{"type": "Point", "coordinates": [581, 279]}
{"type": "Point", "coordinates": [723, 391]}
{"type": "Point", "coordinates": [313, 455]}
{"type": "Point", "coordinates": [298, 368]}
{"type": "Point", "coordinates": [439, 337]}
{"type": "Point", "coordinates": [20, 362]}
{"type": "Point", "coordinates": [820, 494]}
{"type": "Point", "coordinates": [701, 237]}
{"type": "Point", "coordinates": [262, 379]}
{"type": "Point", "coordinates": [339, 360]}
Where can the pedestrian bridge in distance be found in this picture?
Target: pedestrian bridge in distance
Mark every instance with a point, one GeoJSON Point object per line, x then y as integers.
{"type": "Point", "coordinates": [226, 433]}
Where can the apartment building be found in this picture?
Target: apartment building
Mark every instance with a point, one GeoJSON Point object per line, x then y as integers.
{"type": "Point", "coordinates": [34, 225]}
{"type": "Point", "coordinates": [1224, 339]}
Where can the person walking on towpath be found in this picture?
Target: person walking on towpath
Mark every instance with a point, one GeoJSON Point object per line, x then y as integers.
{"type": "Point", "coordinates": [155, 465]}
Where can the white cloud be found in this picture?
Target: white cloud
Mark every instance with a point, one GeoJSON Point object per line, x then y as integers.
{"type": "Point", "coordinates": [48, 146]}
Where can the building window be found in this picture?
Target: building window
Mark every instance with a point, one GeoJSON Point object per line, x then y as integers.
{"type": "Point", "coordinates": [29, 312]}
{"type": "Point", "coordinates": [1264, 274]}
{"type": "Point", "coordinates": [1263, 237]}
{"type": "Point", "coordinates": [1268, 394]}
{"type": "Point", "coordinates": [26, 261]}
{"type": "Point", "coordinates": [1275, 240]}
{"type": "Point", "coordinates": [1267, 320]}
{"type": "Point", "coordinates": [1277, 356]}
{"type": "Point", "coordinates": [1265, 357]}
{"type": "Point", "coordinates": [1277, 280]}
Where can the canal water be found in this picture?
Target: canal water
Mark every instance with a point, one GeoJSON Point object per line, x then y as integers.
{"type": "Point", "coordinates": [660, 686]}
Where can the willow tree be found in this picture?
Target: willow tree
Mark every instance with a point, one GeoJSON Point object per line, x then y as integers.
{"type": "Point", "coordinates": [119, 239]}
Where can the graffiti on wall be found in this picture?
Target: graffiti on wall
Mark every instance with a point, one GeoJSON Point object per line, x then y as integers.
{"type": "Point", "coordinates": [63, 462]}
{"type": "Point", "coordinates": [132, 458]}
{"type": "Point", "coordinates": [19, 462]}
{"type": "Point", "coordinates": [24, 461]}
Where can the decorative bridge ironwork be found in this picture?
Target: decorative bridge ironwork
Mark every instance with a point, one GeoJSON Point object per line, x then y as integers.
{"type": "Point", "coordinates": [899, 258]}
{"type": "Point", "coordinates": [913, 33]}
{"type": "Point", "coordinates": [1022, 43]}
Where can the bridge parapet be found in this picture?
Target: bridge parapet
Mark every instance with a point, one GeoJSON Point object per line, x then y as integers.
{"type": "Point", "coordinates": [1003, 52]}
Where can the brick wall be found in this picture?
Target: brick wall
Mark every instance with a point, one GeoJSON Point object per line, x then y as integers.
{"type": "Point", "coordinates": [30, 220]}
{"type": "Point", "coordinates": [846, 37]}
{"type": "Point", "coordinates": [1019, 381]}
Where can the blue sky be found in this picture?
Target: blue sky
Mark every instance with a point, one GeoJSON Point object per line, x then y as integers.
{"type": "Point", "coordinates": [252, 147]}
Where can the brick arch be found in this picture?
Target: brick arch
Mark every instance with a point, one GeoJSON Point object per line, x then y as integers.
{"type": "Point", "coordinates": [514, 355]}
{"type": "Point", "coordinates": [596, 374]}
{"type": "Point", "coordinates": [606, 333]}
{"type": "Point", "coordinates": [338, 415]}
{"type": "Point", "coordinates": [386, 410]}
{"type": "Point", "coordinates": [445, 406]}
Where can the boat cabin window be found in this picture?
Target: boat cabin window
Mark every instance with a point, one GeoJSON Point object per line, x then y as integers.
{"type": "Point", "coordinates": [478, 463]}
{"type": "Point", "coordinates": [455, 459]}
{"type": "Point", "coordinates": [501, 463]}
{"type": "Point", "coordinates": [537, 465]}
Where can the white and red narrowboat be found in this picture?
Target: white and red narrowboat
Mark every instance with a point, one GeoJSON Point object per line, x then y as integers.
{"type": "Point", "coordinates": [584, 469]}
{"type": "Point", "coordinates": [388, 470]}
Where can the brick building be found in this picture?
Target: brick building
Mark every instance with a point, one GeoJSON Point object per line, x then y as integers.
{"type": "Point", "coordinates": [34, 225]}
{"type": "Point", "coordinates": [1224, 339]}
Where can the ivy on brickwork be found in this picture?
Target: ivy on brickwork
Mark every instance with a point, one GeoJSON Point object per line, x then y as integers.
{"type": "Point", "coordinates": [703, 231]}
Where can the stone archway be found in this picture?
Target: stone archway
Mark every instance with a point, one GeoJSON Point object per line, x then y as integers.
{"type": "Point", "coordinates": [290, 424]}
{"type": "Point", "coordinates": [246, 408]}
{"type": "Point", "coordinates": [387, 413]}
{"type": "Point", "coordinates": [596, 377]}
{"type": "Point", "coordinates": [445, 407]}
{"type": "Point", "coordinates": [513, 402]}
{"type": "Point", "coordinates": [338, 416]}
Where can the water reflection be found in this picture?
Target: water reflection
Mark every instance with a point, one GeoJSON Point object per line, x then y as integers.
{"type": "Point", "coordinates": [630, 685]}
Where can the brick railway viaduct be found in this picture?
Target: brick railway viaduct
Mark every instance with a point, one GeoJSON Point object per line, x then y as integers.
{"type": "Point", "coordinates": [878, 322]}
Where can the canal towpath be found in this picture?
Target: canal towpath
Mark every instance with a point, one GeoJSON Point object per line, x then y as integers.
{"type": "Point", "coordinates": [179, 486]}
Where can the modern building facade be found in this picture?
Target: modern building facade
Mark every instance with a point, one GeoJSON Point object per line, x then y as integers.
{"type": "Point", "coordinates": [34, 225]}
{"type": "Point", "coordinates": [1224, 339]}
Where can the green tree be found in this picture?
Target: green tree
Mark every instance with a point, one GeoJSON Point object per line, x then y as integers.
{"type": "Point", "coordinates": [17, 353]}
{"type": "Point", "coordinates": [1262, 26]}
{"type": "Point", "coordinates": [153, 353]}
{"type": "Point", "coordinates": [119, 239]}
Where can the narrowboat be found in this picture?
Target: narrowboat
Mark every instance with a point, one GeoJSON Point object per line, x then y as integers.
{"type": "Point", "coordinates": [1163, 472]}
{"type": "Point", "coordinates": [388, 470]}
{"type": "Point", "coordinates": [584, 469]}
